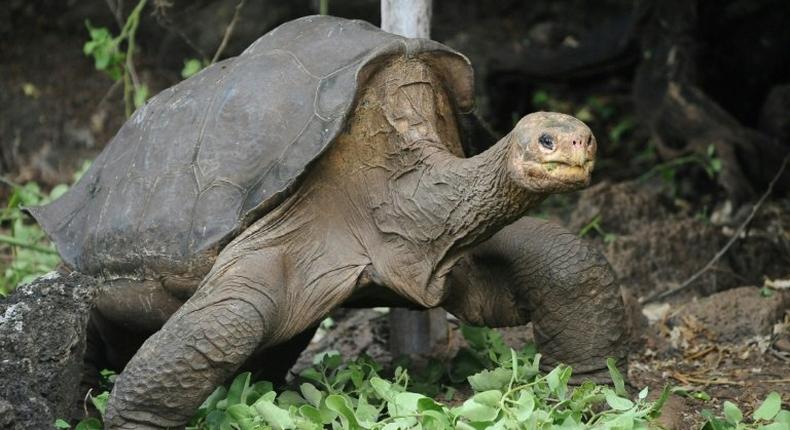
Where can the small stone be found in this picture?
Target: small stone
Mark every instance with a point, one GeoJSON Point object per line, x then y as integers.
{"type": "Point", "coordinates": [738, 314]}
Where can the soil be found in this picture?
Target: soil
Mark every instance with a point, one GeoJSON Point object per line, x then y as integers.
{"type": "Point", "coordinates": [56, 110]}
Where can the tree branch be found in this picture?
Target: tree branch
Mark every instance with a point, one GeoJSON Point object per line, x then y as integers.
{"type": "Point", "coordinates": [228, 31]}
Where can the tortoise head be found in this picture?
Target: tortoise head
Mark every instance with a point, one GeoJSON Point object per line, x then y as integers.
{"type": "Point", "coordinates": [554, 153]}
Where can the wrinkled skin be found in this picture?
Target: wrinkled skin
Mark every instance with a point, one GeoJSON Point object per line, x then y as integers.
{"type": "Point", "coordinates": [392, 207]}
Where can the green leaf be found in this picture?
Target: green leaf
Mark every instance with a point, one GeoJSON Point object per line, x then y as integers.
{"type": "Point", "coordinates": [62, 424]}
{"type": "Point", "coordinates": [774, 426]}
{"type": "Point", "coordinates": [616, 402]}
{"type": "Point", "coordinates": [428, 404]}
{"type": "Point", "coordinates": [100, 402]}
{"type": "Point", "coordinates": [288, 398]}
{"type": "Point", "coordinates": [525, 405]}
{"type": "Point", "coordinates": [342, 407]}
{"type": "Point", "coordinates": [623, 421]}
{"type": "Point", "coordinates": [312, 414]}
{"type": "Point", "coordinates": [241, 415]}
{"type": "Point", "coordinates": [622, 127]}
{"type": "Point", "coordinates": [490, 379]}
{"type": "Point", "coordinates": [191, 67]}
{"type": "Point", "coordinates": [617, 377]}
{"type": "Point", "coordinates": [331, 359]}
{"type": "Point", "coordinates": [407, 402]}
{"type": "Point", "coordinates": [279, 419]}
{"type": "Point", "coordinates": [713, 423]}
{"type": "Point", "coordinates": [211, 402]}
{"type": "Point", "coordinates": [89, 424]}
{"type": "Point", "coordinates": [312, 374]}
{"type": "Point", "coordinates": [482, 407]}
{"type": "Point", "coordinates": [58, 191]}
{"type": "Point", "coordinates": [366, 413]}
{"type": "Point", "coordinates": [715, 164]}
{"type": "Point", "coordinates": [540, 98]}
{"type": "Point", "coordinates": [383, 389]}
{"type": "Point", "coordinates": [237, 393]}
{"type": "Point", "coordinates": [475, 336]}
{"type": "Point", "coordinates": [312, 394]}
{"type": "Point", "coordinates": [732, 412]}
{"type": "Point", "coordinates": [558, 380]}
{"type": "Point", "coordinates": [140, 95]}
{"type": "Point", "coordinates": [783, 416]}
{"type": "Point", "coordinates": [769, 408]}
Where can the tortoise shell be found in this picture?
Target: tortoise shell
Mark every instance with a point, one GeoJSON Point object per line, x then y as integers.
{"type": "Point", "coordinates": [205, 158]}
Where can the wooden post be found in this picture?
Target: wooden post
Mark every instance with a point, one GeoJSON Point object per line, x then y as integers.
{"type": "Point", "coordinates": [410, 18]}
{"type": "Point", "coordinates": [419, 334]}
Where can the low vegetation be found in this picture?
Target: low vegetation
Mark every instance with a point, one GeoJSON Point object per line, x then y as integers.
{"type": "Point", "coordinates": [502, 389]}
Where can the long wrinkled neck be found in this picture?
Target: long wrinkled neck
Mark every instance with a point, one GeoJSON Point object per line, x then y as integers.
{"type": "Point", "coordinates": [481, 195]}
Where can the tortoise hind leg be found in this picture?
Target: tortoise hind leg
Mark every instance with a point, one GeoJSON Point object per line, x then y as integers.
{"type": "Point", "coordinates": [536, 270]}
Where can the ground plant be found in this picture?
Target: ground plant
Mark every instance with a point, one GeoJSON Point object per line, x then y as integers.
{"type": "Point", "coordinates": [502, 389]}
{"type": "Point", "coordinates": [24, 246]}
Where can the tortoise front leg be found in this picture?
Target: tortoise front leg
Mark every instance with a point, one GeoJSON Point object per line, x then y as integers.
{"type": "Point", "coordinates": [235, 311]}
{"type": "Point", "coordinates": [535, 270]}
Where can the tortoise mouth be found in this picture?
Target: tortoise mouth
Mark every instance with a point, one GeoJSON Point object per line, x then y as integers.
{"type": "Point", "coordinates": [567, 172]}
{"type": "Point", "coordinates": [556, 175]}
{"type": "Point", "coordinates": [561, 170]}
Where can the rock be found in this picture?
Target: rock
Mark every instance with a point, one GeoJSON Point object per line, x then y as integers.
{"type": "Point", "coordinates": [42, 343]}
{"type": "Point", "coordinates": [738, 314]}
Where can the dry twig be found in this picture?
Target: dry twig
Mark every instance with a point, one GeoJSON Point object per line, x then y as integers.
{"type": "Point", "coordinates": [228, 31]}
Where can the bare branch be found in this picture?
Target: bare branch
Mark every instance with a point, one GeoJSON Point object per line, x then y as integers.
{"type": "Point", "coordinates": [116, 7]}
{"type": "Point", "coordinates": [228, 31]}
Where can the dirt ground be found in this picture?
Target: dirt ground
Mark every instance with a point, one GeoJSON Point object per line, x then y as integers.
{"type": "Point", "coordinates": [731, 343]}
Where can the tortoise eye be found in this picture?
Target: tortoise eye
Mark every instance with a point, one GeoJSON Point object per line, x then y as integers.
{"type": "Point", "coordinates": [546, 141]}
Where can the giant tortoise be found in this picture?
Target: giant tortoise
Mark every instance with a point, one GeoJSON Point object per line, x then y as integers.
{"type": "Point", "coordinates": [322, 167]}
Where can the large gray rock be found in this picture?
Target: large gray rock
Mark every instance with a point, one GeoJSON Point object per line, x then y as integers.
{"type": "Point", "coordinates": [42, 343]}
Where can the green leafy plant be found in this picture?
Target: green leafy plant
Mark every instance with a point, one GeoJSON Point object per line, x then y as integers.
{"type": "Point", "coordinates": [192, 66]}
{"type": "Point", "coordinates": [22, 242]}
{"type": "Point", "coordinates": [710, 162]}
{"type": "Point", "coordinates": [109, 57]}
{"type": "Point", "coordinates": [508, 391]}
{"type": "Point", "coordinates": [768, 416]}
